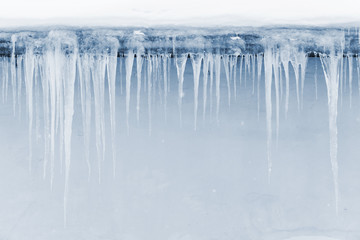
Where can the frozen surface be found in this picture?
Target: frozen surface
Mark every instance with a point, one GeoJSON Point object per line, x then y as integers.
{"type": "Point", "coordinates": [247, 133]}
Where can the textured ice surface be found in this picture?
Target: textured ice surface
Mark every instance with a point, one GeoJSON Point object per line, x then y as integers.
{"type": "Point", "coordinates": [189, 133]}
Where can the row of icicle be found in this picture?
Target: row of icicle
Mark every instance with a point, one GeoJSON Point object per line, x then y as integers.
{"type": "Point", "coordinates": [55, 72]}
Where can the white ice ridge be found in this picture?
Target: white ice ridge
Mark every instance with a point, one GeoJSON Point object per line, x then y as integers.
{"type": "Point", "coordinates": [51, 64]}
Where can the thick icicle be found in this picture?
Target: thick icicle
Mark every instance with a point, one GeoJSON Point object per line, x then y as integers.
{"type": "Point", "coordinates": [331, 66]}
{"type": "Point", "coordinates": [69, 80]}
{"type": "Point", "coordinates": [98, 76]}
{"type": "Point", "coordinates": [196, 64]}
{"type": "Point", "coordinates": [128, 66]}
{"type": "Point", "coordinates": [180, 68]}
{"type": "Point", "coordinates": [85, 97]}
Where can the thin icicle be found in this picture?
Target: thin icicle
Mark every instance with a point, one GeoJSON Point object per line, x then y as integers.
{"type": "Point", "coordinates": [253, 72]}
{"type": "Point", "coordinates": [268, 62]}
{"type": "Point", "coordinates": [139, 62]}
{"type": "Point", "coordinates": [241, 67]}
{"type": "Point", "coordinates": [13, 72]}
{"type": "Point", "coordinates": [29, 74]}
{"type": "Point", "coordinates": [196, 64]}
{"type": "Point", "coordinates": [149, 91]}
{"type": "Point", "coordinates": [111, 75]}
{"type": "Point", "coordinates": [259, 69]}
{"type": "Point", "coordinates": [85, 97]}
{"type": "Point", "coordinates": [180, 68]}
{"type": "Point", "coordinates": [19, 78]}
{"type": "Point", "coordinates": [211, 66]}
{"type": "Point", "coordinates": [302, 62]}
{"type": "Point", "coordinates": [315, 79]}
{"type": "Point", "coordinates": [5, 78]}
{"type": "Point", "coordinates": [234, 60]}
{"type": "Point", "coordinates": [165, 76]}
{"type": "Point", "coordinates": [217, 63]}
{"type": "Point", "coordinates": [276, 82]}
{"type": "Point", "coordinates": [285, 58]}
{"type": "Point", "coordinates": [128, 66]}
{"type": "Point", "coordinates": [227, 66]}
{"type": "Point", "coordinates": [295, 66]}
{"type": "Point", "coordinates": [350, 59]}
{"type": "Point", "coordinates": [206, 63]}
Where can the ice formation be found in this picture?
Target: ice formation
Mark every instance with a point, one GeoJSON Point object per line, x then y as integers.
{"type": "Point", "coordinates": [50, 64]}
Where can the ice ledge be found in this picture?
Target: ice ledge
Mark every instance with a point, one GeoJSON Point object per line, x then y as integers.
{"type": "Point", "coordinates": [176, 40]}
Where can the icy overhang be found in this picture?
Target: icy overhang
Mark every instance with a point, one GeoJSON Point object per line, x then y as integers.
{"type": "Point", "coordinates": [180, 40]}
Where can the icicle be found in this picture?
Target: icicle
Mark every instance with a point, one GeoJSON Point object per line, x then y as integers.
{"type": "Point", "coordinates": [211, 65]}
{"type": "Point", "coordinates": [166, 89]}
{"type": "Point", "coordinates": [259, 67]}
{"type": "Point", "coordinates": [217, 63]}
{"type": "Point", "coordinates": [128, 66]}
{"type": "Point", "coordinates": [84, 80]}
{"type": "Point", "coordinates": [139, 62]}
{"type": "Point", "coordinates": [241, 67]}
{"type": "Point", "coordinates": [120, 74]}
{"type": "Point", "coordinates": [69, 80]}
{"type": "Point", "coordinates": [315, 79]}
{"type": "Point", "coordinates": [205, 75]}
{"type": "Point", "coordinates": [45, 77]}
{"type": "Point", "coordinates": [98, 76]}
{"type": "Point", "coordinates": [180, 68]}
{"type": "Point", "coordinates": [302, 62]}
{"type": "Point", "coordinates": [19, 64]}
{"type": "Point", "coordinates": [247, 67]}
{"type": "Point", "coordinates": [276, 81]}
{"type": "Point", "coordinates": [341, 80]}
{"type": "Point", "coordinates": [196, 64]}
{"type": "Point", "coordinates": [253, 72]}
{"type": "Point", "coordinates": [149, 91]}
{"type": "Point", "coordinates": [331, 71]}
{"type": "Point", "coordinates": [295, 66]}
{"type": "Point", "coordinates": [5, 78]}
{"type": "Point", "coordinates": [234, 60]}
{"type": "Point", "coordinates": [111, 71]}
{"type": "Point", "coordinates": [29, 74]}
{"type": "Point", "coordinates": [226, 62]}
{"type": "Point", "coordinates": [268, 62]}
{"type": "Point", "coordinates": [358, 69]}
{"type": "Point", "coordinates": [13, 72]}
{"type": "Point", "coordinates": [350, 59]}
{"type": "Point", "coordinates": [285, 58]}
